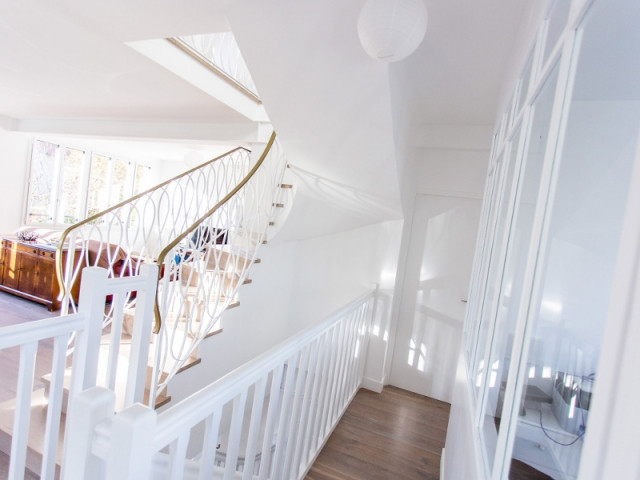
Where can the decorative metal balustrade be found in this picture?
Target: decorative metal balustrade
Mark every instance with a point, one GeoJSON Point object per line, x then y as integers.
{"type": "Point", "coordinates": [205, 266]}
{"type": "Point", "coordinates": [203, 228]}
{"type": "Point", "coordinates": [268, 419]}
{"type": "Point", "coordinates": [220, 52]}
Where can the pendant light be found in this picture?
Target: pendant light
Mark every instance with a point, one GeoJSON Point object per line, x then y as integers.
{"type": "Point", "coordinates": [391, 30]}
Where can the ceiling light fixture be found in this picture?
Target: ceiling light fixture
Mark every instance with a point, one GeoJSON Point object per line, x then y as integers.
{"type": "Point", "coordinates": [391, 30]}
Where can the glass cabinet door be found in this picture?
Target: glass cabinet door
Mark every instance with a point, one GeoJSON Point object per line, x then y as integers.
{"type": "Point", "coordinates": [578, 251]}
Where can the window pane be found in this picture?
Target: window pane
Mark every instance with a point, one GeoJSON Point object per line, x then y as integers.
{"type": "Point", "coordinates": [479, 340]}
{"type": "Point", "coordinates": [525, 79]}
{"type": "Point", "coordinates": [580, 243]}
{"type": "Point", "coordinates": [556, 21]}
{"type": "Point", "coordinates": [120, 182]}
{"type": "Point", "coordinates": [142, 179]}
{"type": "Point", "coordinates": [41, 182]}
{"type": "Point", "coordinates": [98, 195]}
{"type": "Point", "coordinates": [70, 194]}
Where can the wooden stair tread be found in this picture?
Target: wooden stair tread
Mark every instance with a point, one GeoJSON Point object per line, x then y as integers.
{"type": "Point", "coordinates": [285, 185]}
{"type": "Point", "coordinates": [213, 332]}
{"type": "Point", "coordinates": [37, 427]}
{"type": "Point", "coordinates": [161, 399]}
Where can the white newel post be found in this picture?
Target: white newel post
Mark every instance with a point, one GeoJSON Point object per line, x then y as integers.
{"type": "Point", "coordinates": [131, 444]}
{"type": "Point", "coordinates": [90, 407]}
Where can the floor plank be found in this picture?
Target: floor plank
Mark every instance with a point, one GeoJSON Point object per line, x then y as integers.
{"type": "Point", "coordinates": [392, 435]}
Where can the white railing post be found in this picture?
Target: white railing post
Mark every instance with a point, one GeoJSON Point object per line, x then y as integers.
{"type": "Point", "coordinates": [89, 408]}
{"type": "Point", "coordinates": [131, 446]}
{"type": "Point", "coordinates": [141, 335]}
{"type": "Point", "coordinates": [87, 343]}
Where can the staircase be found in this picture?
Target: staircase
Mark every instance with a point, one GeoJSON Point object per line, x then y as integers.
{"type": "Point", "coordinates": [204, 229]}
{"type": "Point", "coordinates": [32, 425]}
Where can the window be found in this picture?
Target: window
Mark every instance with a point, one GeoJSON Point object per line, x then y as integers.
{"type": "Point", "coordinates": [67, 185]}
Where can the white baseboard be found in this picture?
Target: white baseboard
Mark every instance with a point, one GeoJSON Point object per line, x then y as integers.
{"type": "Point", "coordinates": [442, 477]}
{"type": "Point", "coordinates": [371, 384]}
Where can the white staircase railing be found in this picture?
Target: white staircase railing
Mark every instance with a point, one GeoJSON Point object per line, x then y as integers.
{"type": "Point", "coordinates": [206, 265]}
{"type": "Point", "coordinates": [125, 236]}
{"type": "Point", "coordinates": [37, 413]}
{"type": "Point", "coordinates": [203, 228]}
{"type": "Point", "coordinates": [267, 419]}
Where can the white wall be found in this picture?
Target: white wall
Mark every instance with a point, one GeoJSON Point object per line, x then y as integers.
{"type": "Point", "coordinates": [296, 285]}
{"type": "Point", "coordinates": [447, 163]}
{"type": "Point", "coordinates": [15, 150]}
{"type": "Point", "coordinates": [435, 290]}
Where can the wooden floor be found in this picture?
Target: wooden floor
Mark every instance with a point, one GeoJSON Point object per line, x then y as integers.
{"type": "Point", "coordinates": [392, 435]}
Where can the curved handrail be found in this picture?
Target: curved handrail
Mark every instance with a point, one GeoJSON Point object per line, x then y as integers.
{"type": "Point", "coordinates": [203, 228]}
{"type": "Point", "coordinates": [171, 247]}
{"type": "Point", "coordinates": [205, 266]}
{"type": "Point", "coordinates": [162, 255]}
{"type": "Point", "coordinates": [75, 226]}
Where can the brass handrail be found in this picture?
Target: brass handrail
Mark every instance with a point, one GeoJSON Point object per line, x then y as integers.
{"type": "Point", "coordinates": [65, 233]}
{"type": "Point", "coordinates": [164, 252]}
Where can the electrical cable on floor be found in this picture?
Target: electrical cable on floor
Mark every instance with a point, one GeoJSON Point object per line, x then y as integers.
{"type": "Point", "coordinates": [582, 429]}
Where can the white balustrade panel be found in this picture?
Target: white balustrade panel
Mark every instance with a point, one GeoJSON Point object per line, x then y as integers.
{"type": "Point", "coordinates": [40, 408]}
{"type": "Point", "coordinates": [266, 420]}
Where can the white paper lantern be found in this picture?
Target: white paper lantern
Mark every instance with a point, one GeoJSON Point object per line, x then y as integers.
{"type": "Point", "coordinates": [391, 30]}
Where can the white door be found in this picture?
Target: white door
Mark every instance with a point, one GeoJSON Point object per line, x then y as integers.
{"type": "Point", "coordinates": [434, 296]}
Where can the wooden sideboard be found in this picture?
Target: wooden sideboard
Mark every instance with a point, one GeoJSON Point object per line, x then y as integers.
{"type": "Point", "coordinates": [28, 269]}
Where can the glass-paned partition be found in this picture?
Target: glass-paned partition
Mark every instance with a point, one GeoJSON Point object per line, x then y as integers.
{"type": "Point", "coordinates": [509, 280]}
{"type": "Point", "coordinates": [553, 226]}
{"type": "Point", "coordinates": [577, 256]}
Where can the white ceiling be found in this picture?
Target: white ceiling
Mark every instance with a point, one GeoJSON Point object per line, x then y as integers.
{"type": "Point", "coordinates": [65, 69]}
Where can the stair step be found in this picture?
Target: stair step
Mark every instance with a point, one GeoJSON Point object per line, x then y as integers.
{"type": "Point", "coordinates": [257, 260]}
{"type": "Point", "coordinates": [278, 205]}
{"type": "Point", "coordinates": [161, 399]}
{"type": "Point", "coordinates": [37, 427]}
{"type": "Point", "coordinates": [286, 185]}
{"type": "Point", "coordinates": [213, 332]}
